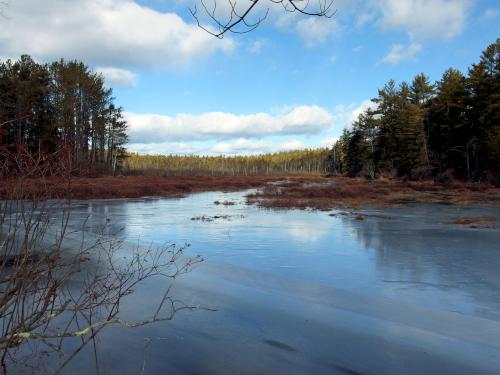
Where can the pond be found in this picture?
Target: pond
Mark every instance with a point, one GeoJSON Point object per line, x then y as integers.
{"type": "Point", "coordinates": [308, 292]}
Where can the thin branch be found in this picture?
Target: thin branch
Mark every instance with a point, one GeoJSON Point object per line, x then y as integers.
{"type": "Point", "coordinates": [238, 22]}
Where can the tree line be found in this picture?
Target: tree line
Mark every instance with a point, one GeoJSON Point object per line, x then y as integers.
{"type": "Point", "coordinates": [450, 128]}
{"type": "Point", "coordinates": [62, 105]}
{"type": "Point", "coordinates": [289, 162]}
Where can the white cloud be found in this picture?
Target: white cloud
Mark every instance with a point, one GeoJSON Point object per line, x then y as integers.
{"type": "Point", "coordinates": [308, 231]}
{"type": "Point", "coordinates": [293, 144]}
{"type": "Point", "coordinates": [105, 33]}
{"type": "Point", "coordinates": [166, 148]}
{"type": "Point", "coordinates": [364, 17]}
{"type": "Point", "coordinates": [240, 146]}
{"type": "Point", "coordinates": [346, 115]}
{"type": "Point", "coordinates": [116, 77]}
{"type": "Point", "coordinates": [229, 134]}
{"type": "Point", "coordinates": [302, 120]}
{"type": "Point", "coordinates": [421, 19]}
{"type": "Point", "coordinates": [329, 142]}
{"type": "Point", "coordinates": [256, 46]}
{"type": "Point", "coordinates": [315, 30]}
{"type": "Point", "coordinates": [442, 19]}
{"type": "Point", "coordinates": [367, 104]}
{"type": "Point", "coordinates": [400, 52]}
{"type": "Point", "coordinates": [491, 14]}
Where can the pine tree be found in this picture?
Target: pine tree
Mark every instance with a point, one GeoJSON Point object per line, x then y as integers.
{"type": "Point", "coordinates": [64, 104]}
{"type": "Point", "coordinates": [484, 111]}
{"type": "Point", "coordinates": [421, 90]}
{"type": "Point", "coordinates": [449, 133]}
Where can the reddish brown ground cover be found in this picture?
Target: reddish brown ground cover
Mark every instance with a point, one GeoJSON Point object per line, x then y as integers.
{"type": "Point", "coordinates": [355, 193]}
{"type": "Point", "coordinates": [275, 192]}
{"type": "Point", "coordinates": [136, 186]}
{"type": "Point", "coordinates": [467, 220]}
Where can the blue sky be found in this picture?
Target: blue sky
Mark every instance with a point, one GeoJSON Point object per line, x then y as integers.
{"type": "Point", "coordinates": [294, 82]}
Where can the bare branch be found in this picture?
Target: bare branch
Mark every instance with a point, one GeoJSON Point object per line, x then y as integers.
{"type": "Point", "coordinates": [237, 22]}
{"type": "Point", "coordinates": [40, 256]}
{"type": "Point", "coordinates": [20, 118]}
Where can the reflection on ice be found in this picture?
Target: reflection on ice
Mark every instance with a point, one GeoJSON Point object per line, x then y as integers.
{"type": "Point", "coordinates": [399, 290]}
{"type": "Point", "coordinates": [305, 231]}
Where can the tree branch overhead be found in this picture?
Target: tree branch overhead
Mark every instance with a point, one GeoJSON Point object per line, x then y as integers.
{"type": "Point", "coordinates": [233, 16]}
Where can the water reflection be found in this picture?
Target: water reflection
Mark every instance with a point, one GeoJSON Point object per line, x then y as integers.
{"type": "Point", "coordinates": [410, 254]}
{"type": "Point", "coordinates": [418, 253]}
{"type": "Point", "coordinates": [304, 292]}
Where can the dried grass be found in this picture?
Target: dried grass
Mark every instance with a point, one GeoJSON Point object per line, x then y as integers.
{"type": "Point", "coordinates": [355, 193]}
{"type": "Point", "coordinates": [276, 191]}
{"type": "Point", "coordinates": [468, 220]}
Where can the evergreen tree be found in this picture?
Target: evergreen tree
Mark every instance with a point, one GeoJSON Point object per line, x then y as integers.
{"type": "Point", "coordinates": [449, 133]}
{"type": "Point", "coordinates": [422, 129]}
{"type": "Point", "coordinates": [421, 90]}
{"type": "Point", "coordinates": [484, 111]}
{"type": "Point", "coordinates": [64, 104]}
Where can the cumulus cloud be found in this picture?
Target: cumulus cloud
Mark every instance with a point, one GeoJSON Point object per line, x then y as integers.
{"type": "Point", "coordinates": [442, 19]}
{"type": "Point", "coordinates": [105, 33]}
{"type": "Point", "coordinates": [354, 114]}
{"type": "Point", "coordinates": [240, 146]}
{"type": "Point", "coordinates": [328, 142]}
{"type": "Point", "coordinates": [208, 134]}
{"type": "Point", "coordinates": [421, 19]}
{"type": "Point", "coordinates": [314, 30]}
{"type": "Point", "coordinates": [116, 77]}
{"type": "Point", "coordinates": [301, 120]}
{"type": "Point", "coordinates": [400, 52]}
{"type": "Point", "coordinates": [293, 144]}
{"type": "Point", "coordinates": [167, 148]}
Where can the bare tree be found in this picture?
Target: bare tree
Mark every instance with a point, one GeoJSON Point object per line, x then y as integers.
{"type": "Point", "coordinates": [42, 313]}
{"type": "Point", "coordinates": [233, 16]}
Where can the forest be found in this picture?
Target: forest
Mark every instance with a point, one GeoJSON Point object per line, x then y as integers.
{"type": "Point", "coordinates": [375, 254]}
{"type": "Point", "coordinates": [414, 130]}
{"type": "Point", "coordinates": [297, 162]}
{"type": "Point", "coordinates": [62, 106]}
{"type": "Point", "coordinates": [417, 130]}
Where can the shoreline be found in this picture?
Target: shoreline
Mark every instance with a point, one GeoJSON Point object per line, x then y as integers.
{"type": "Point", "coordinates": [277, 192]}
{"type": "Point", "coordinates": [356, 193]}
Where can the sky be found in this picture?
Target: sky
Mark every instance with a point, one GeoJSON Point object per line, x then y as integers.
{"type": "Point", "coordinates": [294, 82]}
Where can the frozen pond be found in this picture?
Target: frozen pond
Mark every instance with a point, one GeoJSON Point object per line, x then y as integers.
{"type": "Point", "coordinates": [301, 292]}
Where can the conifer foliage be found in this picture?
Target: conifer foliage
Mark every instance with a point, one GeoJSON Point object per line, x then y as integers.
{"type": "Point", "coordinates": [422, 130]}
{"type": "Point", "coordinates": [45, 108]}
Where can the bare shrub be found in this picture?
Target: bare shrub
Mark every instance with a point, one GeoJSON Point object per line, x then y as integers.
{"type": "Point", "coordinates": [41, 315]}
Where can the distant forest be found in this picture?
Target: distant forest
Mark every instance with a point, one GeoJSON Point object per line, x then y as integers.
{"type": "Point", "coordinates": [64, 105]}
{"type": "Point", "coordinates": [280, 163]}
{"type": "Point", "coordinates": [421, 130]}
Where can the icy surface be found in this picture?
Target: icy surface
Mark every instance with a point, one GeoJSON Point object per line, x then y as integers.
{"type": "Point", "coordinates": [302, 292]}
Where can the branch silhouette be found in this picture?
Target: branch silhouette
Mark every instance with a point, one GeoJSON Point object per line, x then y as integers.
{"type": "Point", "coordinates": [236, 19]}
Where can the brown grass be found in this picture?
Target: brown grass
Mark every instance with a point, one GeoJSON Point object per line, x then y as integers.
{"type": "Point", "coordinates": [355, 193]}
{"type": "Point", "coordinates": [468, 220]}
{"type": "Point", "coordinates": [275, 191]}
{"type": "Point", "coordinates": [140, 186]}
